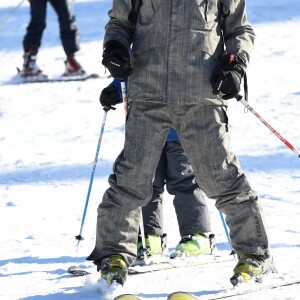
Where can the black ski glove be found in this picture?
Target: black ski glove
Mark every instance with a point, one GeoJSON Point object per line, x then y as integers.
{"type": "Point", "coordinates": [228, 75]}
{"type": "Point", "coordinates": [109, 96]}
{"type": "Point", "coordinates": [117, 60]}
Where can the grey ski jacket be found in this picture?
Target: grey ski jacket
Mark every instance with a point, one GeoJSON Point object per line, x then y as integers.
{"type": "Point", "coordinates": [176, 45]}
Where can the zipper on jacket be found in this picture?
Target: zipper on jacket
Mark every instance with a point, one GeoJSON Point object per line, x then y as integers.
{"type": "Point", "coordinates": [168, 50]}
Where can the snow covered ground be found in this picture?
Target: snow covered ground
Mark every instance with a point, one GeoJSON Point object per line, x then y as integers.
{"type": "Point", "coordinates": [48, 139]}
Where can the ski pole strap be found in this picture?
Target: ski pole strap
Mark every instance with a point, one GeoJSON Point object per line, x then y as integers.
{"type": "Point", "coordinates": [245, 87]}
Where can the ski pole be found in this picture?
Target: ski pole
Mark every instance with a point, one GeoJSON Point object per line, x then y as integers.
{"type": "Point", "coordinates": [246, 104]}
{"type": "Point", "coordinates": [5, 18]}
{"type": "Point", "coordinates": [80, 237]}
{"type": "Point", "coordinates": [227, 235]}
{"type": "Point", "coordinates": [141, 223]}
{"type": "Point", "coordinates": [143, 234]}
{"type": "Point", "coordinates": [124, 96]}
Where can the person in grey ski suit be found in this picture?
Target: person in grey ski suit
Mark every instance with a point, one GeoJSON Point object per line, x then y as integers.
{"type": "Point", "coordinates": [175, 172]}
{"type": "Point", "coordinates": [176, 49]}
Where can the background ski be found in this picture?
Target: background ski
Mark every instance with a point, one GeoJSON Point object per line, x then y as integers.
{"type": "Point", "coordinates": [73, 78]}
{"type": "Point", "coordinates": [18, 79]}
{"type": "Point", "coordinates": [180, 263]}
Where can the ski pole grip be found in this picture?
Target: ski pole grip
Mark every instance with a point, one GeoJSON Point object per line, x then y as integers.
{"type": "Point", "coordinates": [238, 97]}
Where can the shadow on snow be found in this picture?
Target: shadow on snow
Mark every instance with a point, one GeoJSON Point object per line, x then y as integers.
{"type": "Point", "coordinates": [53, 173]}
{"type": "Point", "coordinates": [38, 260]}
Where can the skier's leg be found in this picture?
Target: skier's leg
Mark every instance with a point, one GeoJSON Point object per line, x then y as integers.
{"type": "Point", "coordinates": [37, 24]}
{"type": "Point", "coordinates": [131, 183]}
{"type": "Point", "coordinates": [153, 211]}
{"type": "Point", "coordinates": [206, 141]}
{"type": "Point", "coordinates": [67, 25]}
{"type": "Point", "coordinates": [189, 202]}
{"type": "Point", "coordinates": [153, 214]}
{"type": "Point", "coordinates": [32, 39]}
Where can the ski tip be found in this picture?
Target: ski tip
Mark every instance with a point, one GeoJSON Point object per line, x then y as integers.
{"type": "Point", "coordinates": [71, 268]}
{"type": "Point", "coordinates": [182, 296]}
{"type": "Point", "coordinates": [74, 270]}
{"type": "Point", "coordinates": [127, 297]}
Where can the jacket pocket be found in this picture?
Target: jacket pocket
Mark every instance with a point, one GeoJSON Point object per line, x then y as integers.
{"type": "Point", "coordinates": [207, 10]}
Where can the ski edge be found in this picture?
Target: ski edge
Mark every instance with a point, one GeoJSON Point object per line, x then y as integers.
{"type": "Point", "coordinates": [254, 289]}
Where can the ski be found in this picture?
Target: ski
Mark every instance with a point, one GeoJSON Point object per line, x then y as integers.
{"type": "Point", "coordinates": [67, 78]}
{"type": "Point", "coordinates": [245, 288]}
{"type": "Point", "coordinates": [45, 79]}
{"type": "Point", "coordinates": [179, 262]}
{"type": "Point", "coordinates": [153, 259]}
{"type": "Point", "coordinates": [153, 264]}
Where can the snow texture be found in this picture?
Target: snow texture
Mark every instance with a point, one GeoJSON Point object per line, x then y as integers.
{"type": "Point", "coordinates": [48, 139]}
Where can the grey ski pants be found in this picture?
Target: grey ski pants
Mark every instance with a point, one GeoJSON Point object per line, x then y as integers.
{"type": "Point", "coordinates": [175, 172]}
{"type": "Point", "coordinates": [203, 133]}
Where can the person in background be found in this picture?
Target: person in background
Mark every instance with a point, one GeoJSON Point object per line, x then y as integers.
{"type": "Point", "coordinates": [175, 172]}
{"type": "Point", "coordinates": [68, 35]}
